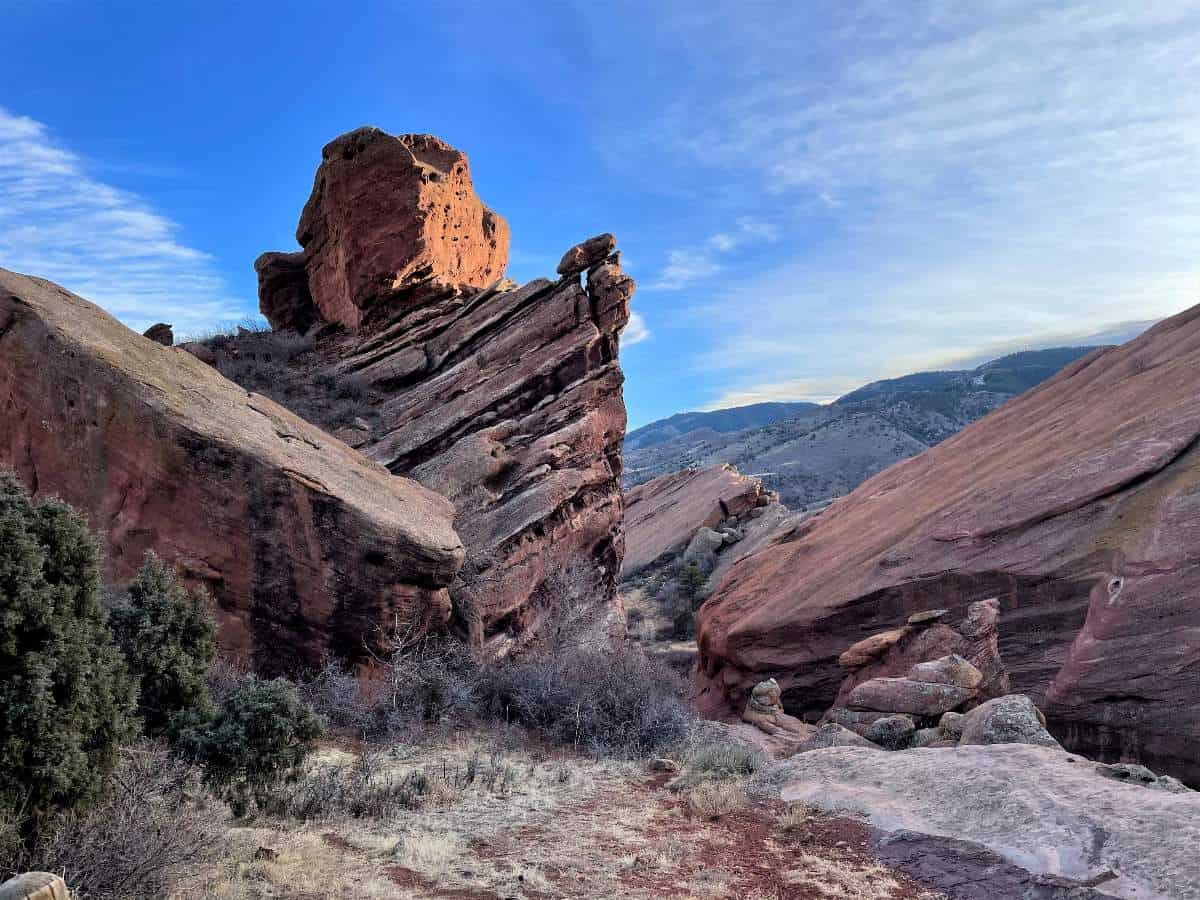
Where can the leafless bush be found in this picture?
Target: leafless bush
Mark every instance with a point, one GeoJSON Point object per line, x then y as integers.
{"type": "Point", "coordinates": [153, 829]}
{"type": "Point", "coordinates": [609, 702]}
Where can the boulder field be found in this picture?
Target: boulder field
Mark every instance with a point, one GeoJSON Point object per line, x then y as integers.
{"type": "Point", "coordinates": [504, 399]}
{"type": "Point", "coordinates": [306, 546]}
{"type": "Point", "coordinates": [1075, 505]}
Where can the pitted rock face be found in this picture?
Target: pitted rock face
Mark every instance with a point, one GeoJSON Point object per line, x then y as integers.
{"type": "Point", "coordinates": [386, 213]}
{"type": "Point", "coordinates": [1074, 505]}
{"type": "Point", "coordinates": [306, 547]}
{"type": "Point", "coordinates": [504, 399]}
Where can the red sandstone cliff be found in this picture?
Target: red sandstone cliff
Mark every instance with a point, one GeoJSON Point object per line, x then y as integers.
{"type": "Point", "coordinates": [1075, 504]}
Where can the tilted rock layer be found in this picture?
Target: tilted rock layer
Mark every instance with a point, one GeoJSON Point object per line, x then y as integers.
{"type": "Point", "coordinates": [662, 515]}
{"type": "Point", "coordinates": [306, 546]}
{"type": "Point", "coordinates": [506, 400]}
{"type": "Point", "coordinates": [1076, 505]}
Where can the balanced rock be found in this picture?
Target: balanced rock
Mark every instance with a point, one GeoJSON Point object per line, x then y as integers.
{"type": "Point", "coordinates": [1006, 720]}
{"type": "Point", "coordinates": [1072, 504]}
{"type": "Point", "coordinates": [583, 256]}
{"type": "Point", "coordinates": [306, 547]}
{"type": "Point", "coordinates": [504, 399]}
{"type": "Point", "coordinates": [765, 711]}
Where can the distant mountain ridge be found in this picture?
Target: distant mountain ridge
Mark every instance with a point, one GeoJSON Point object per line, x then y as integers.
{"type": "Point", "coordinates": [811, 452]}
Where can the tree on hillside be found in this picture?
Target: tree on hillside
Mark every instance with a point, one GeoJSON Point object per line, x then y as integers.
{"type": "Point", "coordinates": [166, 636]}
{"type": "Point", "coordinates": [65, 697]}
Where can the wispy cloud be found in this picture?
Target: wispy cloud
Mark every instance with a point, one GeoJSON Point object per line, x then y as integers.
{"type": "Point", "coordinates": [690, 265]}
{"type": "Point", "coordinates": [59, 222]}
{"type": "Point", "coordinates": [971, 174]}
{"type": "Point", "coordinates": [636, 331]}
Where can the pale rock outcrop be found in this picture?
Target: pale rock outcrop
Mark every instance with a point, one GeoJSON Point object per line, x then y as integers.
{"type": "Point", "coordinates": [1074, 505]}
{"type": "Point", "coordinates": [1006, 720]}
{"type": "Point", "coordinates": [1039, 808]}
{"type": "Point", "coordinates": [504, 399]}
{"type": "Point", "coordinates": [306, 547]}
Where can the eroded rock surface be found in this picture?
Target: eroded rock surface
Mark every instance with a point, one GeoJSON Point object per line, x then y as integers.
{"type": "Point", "coordinates": [306, 546]}
{"type": "Point", "coordinates": [1074, 505]}
{"type": "Point", "coordinates": [1046, 811]}
{"type": "Point", "coordinates": [504, 399]}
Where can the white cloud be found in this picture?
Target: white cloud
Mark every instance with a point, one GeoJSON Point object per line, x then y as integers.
{"type": "Point", "coordinates": [58, 222]}
{"type": "Point", "coordinates": [688, 266]}
{"type": "Point", "coordinates": [985, 174]}
{"type": "Point", "coordinates": [636, 331]}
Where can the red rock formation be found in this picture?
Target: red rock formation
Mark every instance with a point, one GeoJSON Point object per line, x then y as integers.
{"type": "Point", "coordinates": [386, 213]}
{"type": "Point", "coordinates": [1075, 505]}
{"type": "Point", "coordinates": [505, 400]}
{"type": "Point", "coordinates": [661, 515]}
{"type": "Point", "coordinates": [305, 545]}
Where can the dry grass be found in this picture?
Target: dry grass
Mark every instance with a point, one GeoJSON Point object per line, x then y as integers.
{"type": "Point", "coordinates": [840, 879]}
{"type": "Point", "coordinates": [796, 817]}
{"type": "Point", "coordinates": [715, 799]}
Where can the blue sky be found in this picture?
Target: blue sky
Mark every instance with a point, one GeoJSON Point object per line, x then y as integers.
{"type": "Point", "coordinates": [810, 195]}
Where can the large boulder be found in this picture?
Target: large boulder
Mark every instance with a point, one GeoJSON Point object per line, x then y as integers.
{"type": "Point", "coordinates": [1006, 720]}
{"type": "Point", "coordinates": [305, 546]}
{"type": "Point", "coordinates": [386, 212]}
{"type": "Point", "coordinates": [507, 400]}
{"type": "Point", "coordinates": [904, 695]}
{"type": "Point", "coordinates": [1041, 809]}
{"type": "Point", "coordinates": [1073, 505]}
{"type": "Point", "coordinates": [663, 514]}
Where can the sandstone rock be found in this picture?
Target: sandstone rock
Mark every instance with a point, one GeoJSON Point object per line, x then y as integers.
{"type": "Point", "coordinates": [34, 886]}
{"type": "Point", "coordinates": [870, 649]}
{"type": "Point", "coordinates": [951, 725]}
{"type": "Point", "coordinates": [857, 720]}
{"type": "Point", "coordinates": [703, 548]}
{"type": "Point", "coordinates": [160, 334]}
{"type": "Point", "coordinates": [927, 617]}
{"type": "Point", "coordinates": [587, 254]}
{"type": "Point", "coordinates": [951, 669]}
{"type": "Point", "coordinates": [1135, 774]}
{"type": "Point", "coordinates": [1006, 720]}
{"type": "Point", "coordinates": [833, 735]}
{"type": "Point", "coordinates": [891, 732]}
{"type": "Point", "coordinates": [664, 765]}
{"type": "Point", "coordinates": [200, 351]}
{"type": "Point", "coordinates": [1039, 808]}
{"type": "Point", "coordinates": [1071, 504]}
{"type": "Point", "coordinates": [765, 712]}
{"type": "Point", "coordinates": [505, 400]}
{"type": "Point", "coordinates": [390, 214]}
{"type": "Point", "coordinates": [903, 695]}
{"type": "Point", "coordinates": [662, 515]}
{"type": "Point", "coordinates": [927, 737]}
{"type": "Point", "coordinates": [284, 298]}
{"type": "Point", "coordinates": [306, 547]}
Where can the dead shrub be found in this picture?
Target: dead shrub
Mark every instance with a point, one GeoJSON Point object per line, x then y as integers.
{"type": "Point", "coordinates": [152, 831]}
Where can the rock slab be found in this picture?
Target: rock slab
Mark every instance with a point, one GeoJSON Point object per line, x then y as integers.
{"type": "Point", "coordinates": [1046, 811]}
{"type": "Point", "coordinates": [305, 546]}
{"type": "Point", "coordinates": [1075, 505]}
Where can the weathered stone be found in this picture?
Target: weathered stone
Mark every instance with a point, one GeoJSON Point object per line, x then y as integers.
{"type": "Point", "coordinates": [663, 514]}
{"type": "Point", "coordinates": [306, 547]}
{"type": "Point", "coordinates": [1006, 720]}
{"type": "Point", "coordinates": [200, 351]}
{"type": "Point", "coordinates": [1135, 774]}
{"type": "Point", "coordinates": [505, 400]}
{"type": "Point", "coordinates": [765, 712]}
{"type": "Point", "coordinates": [927, 617]}
{"type": "Point", "coordinates": [703, 548]}
{"type": "Point", "coordinates": [857, 720]}
{"type": "Point", "coordinates": [951, 669]}
{"type": "Point", "coordinates": [891, 732]}
{"type": "Point", "coordinates": [1039, 808]}
{"type": "Point", "coordinates": [870, 649]}
{"type": "Point", "coordinates": [833, 735]}
{"type": "Point", "coordinates": [35, 886]}
{"type": "Point", "coordinates": [1072, 504]}
{"type": "Point", "coordinates": [903, 695]}
{"type": "Point", "coordinates": [927, 737]}
{"type": "Point", "coordinates": [587, 254]}
{"type": "Point", "coordinates": [951, 724]}
{"type": "Point", "coordinates": [160, 334]}
{"type": "Point", "coordinates": [284, 298]}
